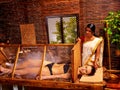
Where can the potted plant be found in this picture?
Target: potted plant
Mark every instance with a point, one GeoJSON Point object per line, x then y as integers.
{"type": "Point", "coordinates": [113, 29]}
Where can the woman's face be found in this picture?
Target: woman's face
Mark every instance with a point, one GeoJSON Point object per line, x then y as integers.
{"type": "Point", "coordinates": [85, 70]}
{"type": "Point", "coordinates": [88, 32]}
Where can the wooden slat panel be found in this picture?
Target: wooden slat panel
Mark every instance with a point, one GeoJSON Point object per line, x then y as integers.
{"type": "Point", "coordinates": [76, 60]}
{"type": "Point", "coordinates": [28, 34]}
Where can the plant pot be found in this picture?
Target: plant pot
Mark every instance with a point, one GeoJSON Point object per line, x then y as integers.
{"type": "Point", "coordinates": [117, 52]}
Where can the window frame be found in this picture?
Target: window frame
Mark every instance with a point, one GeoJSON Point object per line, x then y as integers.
{"type": "Point", "coordinates": [61, 25]}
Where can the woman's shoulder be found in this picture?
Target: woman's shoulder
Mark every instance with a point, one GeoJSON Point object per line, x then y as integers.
{"type": "Point", "coordinates": [99, 38]}
{"type": "Point", "coordinates": [82, 38]}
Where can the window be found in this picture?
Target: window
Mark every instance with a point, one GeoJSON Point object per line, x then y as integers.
{"type": "Point", "coordinates": [62, 29]}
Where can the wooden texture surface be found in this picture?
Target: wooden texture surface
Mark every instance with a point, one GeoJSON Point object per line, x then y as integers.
{"type": "Point", "coordinates": [76, 60]}
{"type": "Point", "coordinates": [28, 34]}
{"type": "Point", "coordinates": [54, 84]}
{"type": "Point", "coordinates": [74, 84]}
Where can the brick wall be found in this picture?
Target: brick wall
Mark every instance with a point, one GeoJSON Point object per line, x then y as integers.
{"type": "Point", "coordinates": [93, 11]}
{"type": "Point", "coordinates": [57, 7]}
{"type": "Point", "coordinates": [11, 16]}
{"type": "Point", "coordinates": [18, 12]}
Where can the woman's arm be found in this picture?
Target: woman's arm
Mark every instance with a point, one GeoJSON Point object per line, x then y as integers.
{"type": "Point", "coordinates": [63, 76]}
{"type": "Point", "coordinates": [97, 56]}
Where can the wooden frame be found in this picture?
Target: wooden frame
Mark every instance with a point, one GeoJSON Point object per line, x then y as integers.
{"type": "Point", "coordinates": [60, 28]}
{"type": "Point", "coordinates": [27, 57]}
{"type": "Point", "coordinates": [76, 60]}
{"type": "Point", "coordinates": [75, 84]}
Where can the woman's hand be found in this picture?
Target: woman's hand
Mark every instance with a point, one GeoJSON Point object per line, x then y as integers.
{"type": "Point", "coordinates": [78, 39]}
{"type": "Point", "coordinates": [96, 65]}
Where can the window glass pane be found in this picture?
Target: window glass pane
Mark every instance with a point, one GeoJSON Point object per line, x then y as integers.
{"type": "Point", "coordinates": [62, 29]}
{"type": "Point", "coordinates": [54, 30]}
{"type": "Point", "coordinates": [29, 62]}
{"type": "Point", "coordinates": [69, 29]}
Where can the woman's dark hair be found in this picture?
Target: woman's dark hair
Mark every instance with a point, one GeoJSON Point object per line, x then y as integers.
{"type": "Point", "coordinates": [92, 71]}
{"type": "Point", "coordinates": [92, 27]}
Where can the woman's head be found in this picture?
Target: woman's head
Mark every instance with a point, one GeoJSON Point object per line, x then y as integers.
{"type": "Point", "coordinates": [90, 29]}
{"type": "Point", "coordinates": [87, 70]}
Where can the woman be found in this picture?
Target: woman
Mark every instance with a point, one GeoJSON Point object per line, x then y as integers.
{"type": "Point", "coordinates": [92, 47]}
{"type": "Point", "coordinates": [86, 70]}
{"type": "Point", "coordinates": [49, 71]}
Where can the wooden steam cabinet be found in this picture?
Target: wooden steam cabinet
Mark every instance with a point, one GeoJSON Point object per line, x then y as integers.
{"type": "Point", "coordinates": [43, 66]}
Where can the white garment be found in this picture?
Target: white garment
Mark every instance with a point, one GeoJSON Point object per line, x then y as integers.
{"type": "Point", "coordinates": [88, 48]}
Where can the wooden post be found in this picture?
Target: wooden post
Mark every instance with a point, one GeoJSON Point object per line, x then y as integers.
{"type": "Point", "coordinates": [109, 52]}
{"type": "Point", "coordinates": [108, 43]}
{"type": "Point", "coordinates": [16, 59]}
